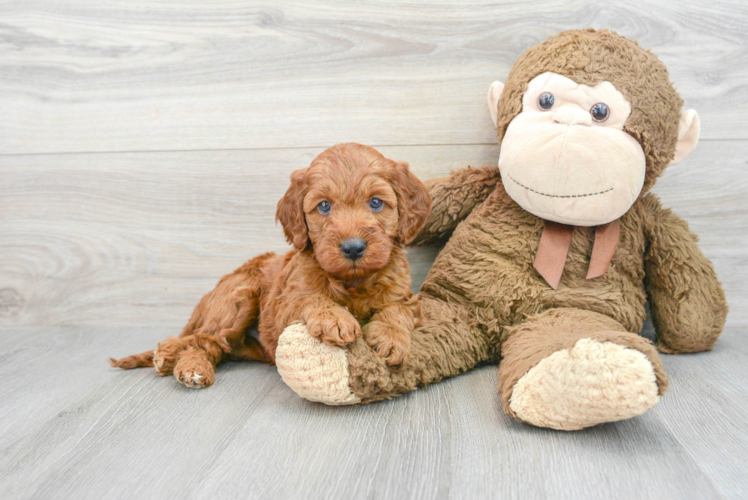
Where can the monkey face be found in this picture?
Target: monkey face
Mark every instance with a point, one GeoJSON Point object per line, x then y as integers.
{"type": "Point", "coordinates": [566, 157]}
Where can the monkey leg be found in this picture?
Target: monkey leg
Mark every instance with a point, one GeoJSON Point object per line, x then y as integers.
{"type": "Point", "coordinates": [569, 369]}
{"type": "Point", "coordinates": [449, 343]}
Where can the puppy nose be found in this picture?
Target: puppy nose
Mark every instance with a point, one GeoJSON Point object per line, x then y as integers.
{"type": "Point", "coordinates": [353, 248]}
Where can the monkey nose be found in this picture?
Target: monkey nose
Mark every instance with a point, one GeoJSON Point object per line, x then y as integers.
{"type": "Point", "coordinates": [572, 116]}
{"type": "Point", "coordinates": [353, 248]}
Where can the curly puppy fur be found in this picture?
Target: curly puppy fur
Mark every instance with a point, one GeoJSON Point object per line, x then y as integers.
{"type": "Point", "coordinates": [315, 282]}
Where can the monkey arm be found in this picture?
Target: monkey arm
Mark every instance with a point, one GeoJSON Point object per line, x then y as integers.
{"type": "Point", "coordinates": [453, 198]}
{"type": "Point", "coordinates": [687, 300]}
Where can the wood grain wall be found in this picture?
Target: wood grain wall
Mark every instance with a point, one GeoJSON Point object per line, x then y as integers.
{"type": "Point", "coordinates": [143, 145]}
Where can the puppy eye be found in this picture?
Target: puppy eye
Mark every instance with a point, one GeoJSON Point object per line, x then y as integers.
{"type": "Point", "coordinates": [600, 112]}
{"type": "Point", "coordinates": [324, 207]}
{"type": "Point", "coordinates": [376, 204]}
{"type": "Point", "coordinates": [546, 100]}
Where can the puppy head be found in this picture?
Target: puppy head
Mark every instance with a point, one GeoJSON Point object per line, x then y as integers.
{"type": "Point", "coordinates": [350, 206]}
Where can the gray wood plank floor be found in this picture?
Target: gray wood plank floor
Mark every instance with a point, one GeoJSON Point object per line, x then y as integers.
{"type": "Point", "coordinates": [88, 431]}
{"type": "Point", "coordinates": [143, 147]}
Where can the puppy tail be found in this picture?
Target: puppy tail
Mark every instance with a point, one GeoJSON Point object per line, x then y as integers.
{"type": "Point", "coordinates": [134, 361]}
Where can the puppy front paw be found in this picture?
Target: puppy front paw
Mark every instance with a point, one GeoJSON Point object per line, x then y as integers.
{"type": "Point", "coordinates": [388, 341]}
{"type": "Point", "coordinates": [334, 327]}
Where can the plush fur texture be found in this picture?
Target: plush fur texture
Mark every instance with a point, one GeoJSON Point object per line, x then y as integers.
{"type": "Point", "coordinates": [314, 283]}
{"type": "Point", "coordinates": [483, 287]}
{"type": "Point", "coordinates": [484, 301]}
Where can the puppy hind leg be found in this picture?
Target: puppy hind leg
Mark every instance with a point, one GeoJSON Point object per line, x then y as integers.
{"type": "Point", "coordinates": [198, 354]}
{"type": "Point", "coordinates": [195, 367]}
{"type": "Point", "coordinates": [251, 350]}
{"type": "Point", "coordinates": [233, 305]}
{"type": "Point", "coordinates": [167, 354]}
{"type": "Point", "coordinates": [163, 358]}
{"type": "Point", "coordinates": [218, 325]}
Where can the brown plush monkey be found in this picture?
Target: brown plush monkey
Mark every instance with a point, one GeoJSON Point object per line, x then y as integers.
{"type": "Point", "coordinates": [552, 256]}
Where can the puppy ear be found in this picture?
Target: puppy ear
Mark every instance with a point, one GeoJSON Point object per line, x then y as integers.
{"type": "Point", "coordinates": [290, 211]}
{"type": "Point", "coordinates": [413, 202]}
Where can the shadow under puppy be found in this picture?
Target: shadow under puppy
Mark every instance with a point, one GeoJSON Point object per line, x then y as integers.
{"type": "Point", "coordinates": [347, 216]}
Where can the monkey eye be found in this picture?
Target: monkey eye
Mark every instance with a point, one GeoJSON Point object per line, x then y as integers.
{"type": "Point", "coordinates": [600, 112]}
{"type": "Point", "coordinates": [545, 101]}
{"type": "Point", "coordinates": [324, 207]}
{"type": "Point", "coordinates": [376, 204]}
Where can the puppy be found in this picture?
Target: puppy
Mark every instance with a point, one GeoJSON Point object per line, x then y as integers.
{"type": "Point", "coordinates": [348, 216]}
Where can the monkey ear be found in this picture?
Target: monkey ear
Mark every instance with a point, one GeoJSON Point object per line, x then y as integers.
{"type": "Point", "coordinates": [494, 94]}
{"type": "Point", "coordinates": [413, 202]}
{"type": "Point", "coordinates": [290, 211]}
{"type": "Point", "coordinates": [689, 129]}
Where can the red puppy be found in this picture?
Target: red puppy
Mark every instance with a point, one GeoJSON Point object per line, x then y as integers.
{"type": "Point", "coordinates": [347, 216]}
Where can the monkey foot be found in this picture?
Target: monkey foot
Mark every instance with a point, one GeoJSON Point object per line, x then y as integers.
{"type": "Point", "coordinates": [589, 384]}
{"type": "Point", "coordinates": [313, 370]}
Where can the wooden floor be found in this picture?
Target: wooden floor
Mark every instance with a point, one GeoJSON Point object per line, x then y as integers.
{"type": "Point", "coordinates": [143, 147]}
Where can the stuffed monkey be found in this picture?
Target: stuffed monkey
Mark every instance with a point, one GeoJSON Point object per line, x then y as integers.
{"type": "Point", "coordinates": [551, 256]}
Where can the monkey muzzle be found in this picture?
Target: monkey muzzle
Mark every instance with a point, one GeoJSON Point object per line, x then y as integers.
{"type": "Point", "coordinates": [561, 167]}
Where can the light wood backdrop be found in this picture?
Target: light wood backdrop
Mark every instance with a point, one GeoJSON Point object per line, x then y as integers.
{"type": "Point", "coordinates": [143, 147]}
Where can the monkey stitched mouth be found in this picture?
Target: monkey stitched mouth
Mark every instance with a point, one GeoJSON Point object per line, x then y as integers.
{"type": "Point", "coordinates": [558, 195]}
